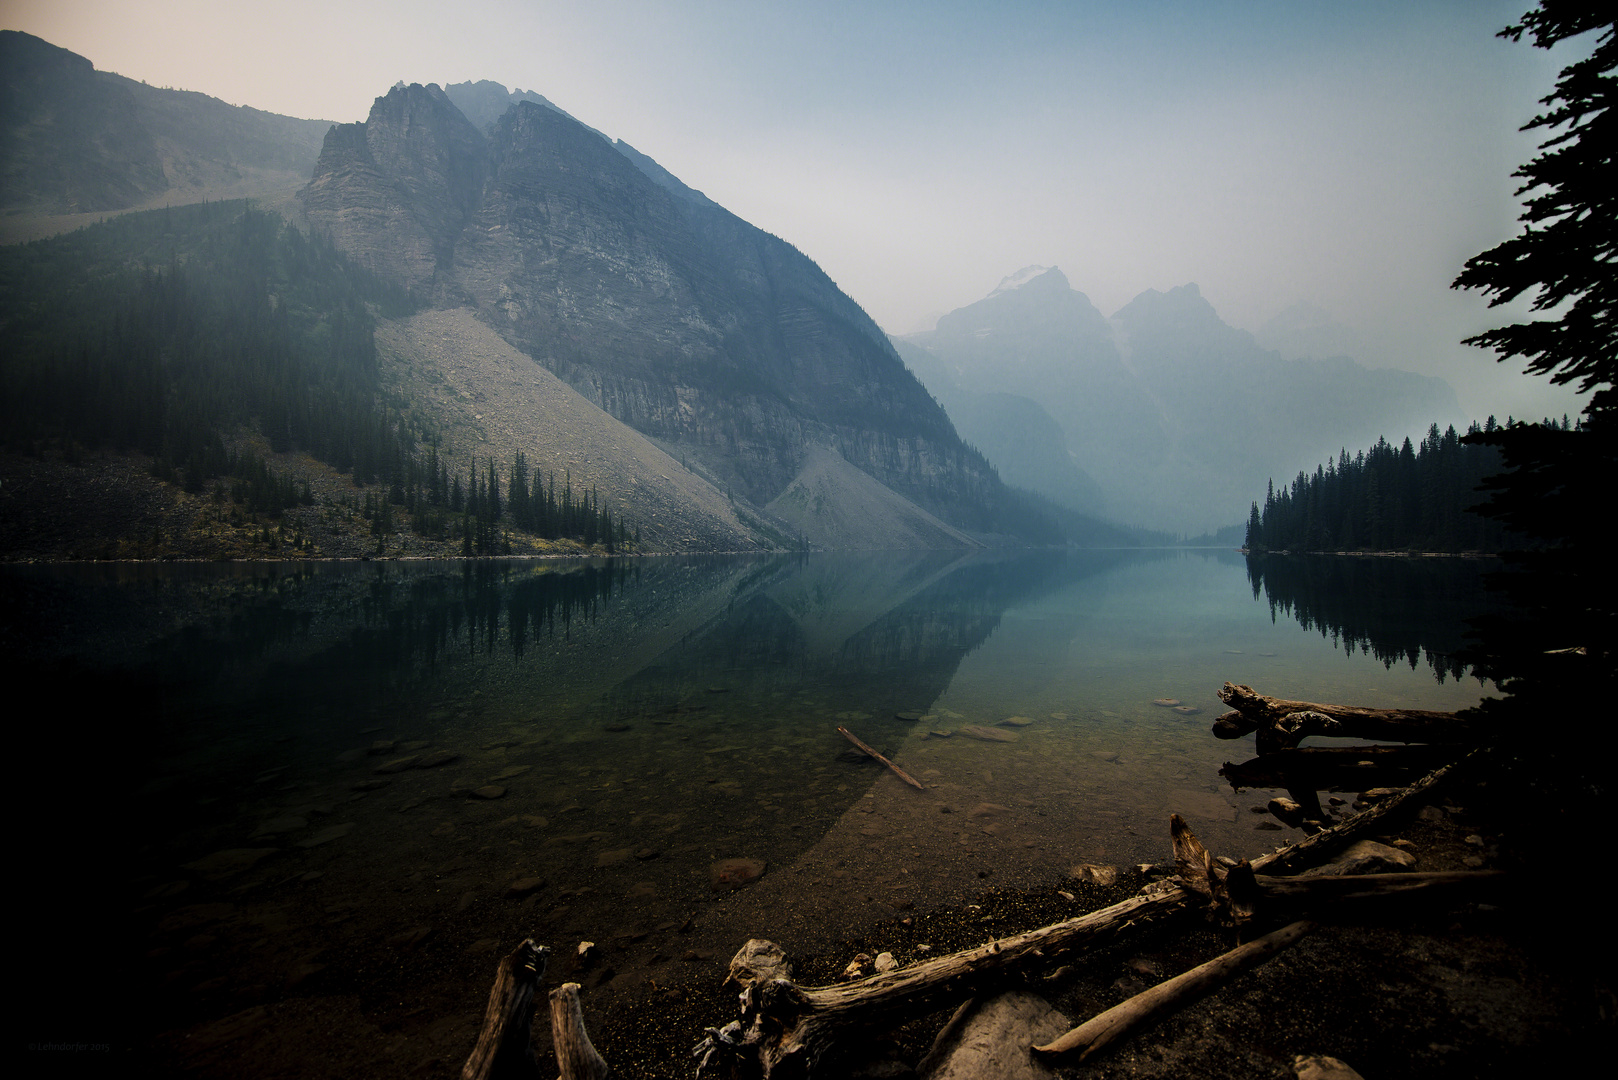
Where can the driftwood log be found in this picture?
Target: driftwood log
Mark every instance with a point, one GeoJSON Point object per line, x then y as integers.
{"type": "Point", "coordinates": [787, 1030]}
{"type": "Point", "coordinates": [1281, 724]}
{"type": "Point", "coordinates": [504, 1048]}
{"type": "Point", "coordinates": [1140, 1010]}
{"type": "Point", "coordinates": [576, 1058]}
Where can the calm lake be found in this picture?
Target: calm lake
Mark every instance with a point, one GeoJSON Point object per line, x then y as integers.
{"type": "Point", "coordinates": [265, 794]}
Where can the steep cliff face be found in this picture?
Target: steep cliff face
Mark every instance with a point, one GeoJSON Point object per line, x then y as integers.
{"type": "Point", "coordinates": [398, 190]}
{"type": "Point", "coordinates": [726, 344]}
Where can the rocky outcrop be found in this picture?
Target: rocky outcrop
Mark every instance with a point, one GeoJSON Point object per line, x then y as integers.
{"type": "Point", "coordinates": [398, 190]}
{"type": "Point", "coordinates": [725, 344]}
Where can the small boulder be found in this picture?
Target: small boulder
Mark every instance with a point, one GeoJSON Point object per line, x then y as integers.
{"type": "Point", "coordinates": [759, 961]}
{"type": "Point", "coordinates": [525, 886]}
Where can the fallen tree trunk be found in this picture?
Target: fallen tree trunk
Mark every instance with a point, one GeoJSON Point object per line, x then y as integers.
{"type": "Point", "coordinates": [1120, 1020]}
{"type": "Point", "coordinates": [1282, 724]}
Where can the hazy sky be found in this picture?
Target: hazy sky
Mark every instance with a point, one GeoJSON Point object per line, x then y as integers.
{"type": "Point", "coordinates": [1351, 155]}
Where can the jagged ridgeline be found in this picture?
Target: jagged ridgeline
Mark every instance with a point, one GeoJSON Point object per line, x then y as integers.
{"type": "Point", "coordinates": [160, 332]}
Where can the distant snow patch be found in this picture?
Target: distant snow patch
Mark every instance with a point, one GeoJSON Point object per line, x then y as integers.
{"type": "Point", "coordinates": [1021, 278]}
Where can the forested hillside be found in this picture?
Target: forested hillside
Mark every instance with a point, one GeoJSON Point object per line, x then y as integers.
{"type": "Point", "coordinates": [192, 335]}
{"type": "Point", "coordinates": [1387, 498]}
{"type": "Point", "coordinates": [156, 332]}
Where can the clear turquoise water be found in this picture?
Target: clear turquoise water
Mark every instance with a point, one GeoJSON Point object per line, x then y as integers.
{"type": "Point", "coordinates": [219, 732]}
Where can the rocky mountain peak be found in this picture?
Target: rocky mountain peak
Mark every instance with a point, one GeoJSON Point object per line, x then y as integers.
{"type": "Point", "coordinates": [1183, 305]}
{"type": "Point", "coordinates": [1037, 277]}
{"type": "Point", "coordinates": [1034, 299]}
{"type": "Point", "coordinates": [414, 171]}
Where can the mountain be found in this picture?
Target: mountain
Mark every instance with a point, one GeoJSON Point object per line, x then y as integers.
{"type": "Point", "coordinates": [577, 308]}
{"type": "Point", "coordinates": [77, 141]}
{"type": "Point", "coordinates": [1172, 419]}
{"type": "Point", "coordinates": [721, 343]}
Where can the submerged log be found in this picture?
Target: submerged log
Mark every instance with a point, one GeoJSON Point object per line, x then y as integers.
{"type": "Point", "coordinates": [1336, 768]}
{"type": "Point", "coordinates": [1120, 1020]}
{"type": "Point", "coordinates": [900, 773]}
{"type": "Point", "coordinates": [504, 1049]}
{"type": "Point", "coordinates": [1282, 724]}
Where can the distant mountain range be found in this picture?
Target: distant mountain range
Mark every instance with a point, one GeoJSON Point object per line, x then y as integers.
{"type": "Point", "coordinates": [1162, 415]}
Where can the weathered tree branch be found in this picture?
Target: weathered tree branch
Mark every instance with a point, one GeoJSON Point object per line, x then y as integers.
{"type": "Point", "coordinates": [1295, 857]}
{"type": "Point", "coordinates": [504, 1049]}
{"type": "Point", "coordinates": [1120, 1020]}
{"type": "Point", "coordinates": [576, 1058]}
{"type": "Point", "coordinates": [900, 773]}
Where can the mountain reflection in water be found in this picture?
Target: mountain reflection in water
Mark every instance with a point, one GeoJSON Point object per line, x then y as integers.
{"type": "Point", "coordinates": [290, 784]}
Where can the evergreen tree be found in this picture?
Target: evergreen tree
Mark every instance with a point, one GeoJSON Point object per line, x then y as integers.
{"type": "Point", "coordinates": [1553, 655]}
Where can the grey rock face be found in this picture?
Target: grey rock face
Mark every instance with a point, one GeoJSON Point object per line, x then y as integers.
{"type": "Point", "coordinates": [722, 342]}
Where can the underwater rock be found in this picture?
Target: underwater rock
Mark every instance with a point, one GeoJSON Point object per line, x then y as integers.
{"type": "Point", "coordinates": [974, 731]}
{"type": "Point", "coordinates": [524, 887]}
{"type": "Point", "coordinates": [731, 873]}
{"type": "Point", "coordinates": [276, 826]}
{"type": "Point", "coordinates": [326, 836]}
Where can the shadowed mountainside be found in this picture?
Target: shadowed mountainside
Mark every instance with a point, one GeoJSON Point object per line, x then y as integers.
{"type": "Point", "coordinates": [76, 143]}
{"type": "Point", "coordinates": [721, 342]}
